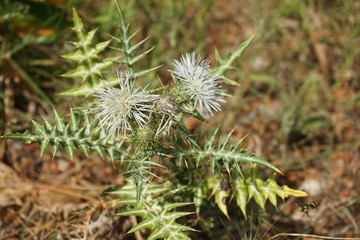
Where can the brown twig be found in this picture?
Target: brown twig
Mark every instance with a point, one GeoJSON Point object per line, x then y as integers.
{"type": "Point", "coordinates": [308, 235]}
{"type": "Point", "coordinates": [134, 222]}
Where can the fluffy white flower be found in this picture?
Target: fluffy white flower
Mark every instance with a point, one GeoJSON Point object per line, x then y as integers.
{"type": "Point", "coordinates": [119, 108]}
{"type": "Point", "coordinates": [198, 83]}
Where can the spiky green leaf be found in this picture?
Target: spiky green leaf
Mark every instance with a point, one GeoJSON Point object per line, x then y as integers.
{"type": "Point", "coordinates": [254, 187]}
{"type": "Point", "coordinates": [86, 54]}
{"type": "Point", "coordinates": [128, 49]}
{"type": "Point", "coordinates": [226, 63]}
{"type": "Point", "coordinates": [220, 194]}
{"type": "Point", "coordinates": [70, 135]}
{"type": "Point", "coordinates": [221, 155]}
{"type": "Point", "coordinates": [158, 216]}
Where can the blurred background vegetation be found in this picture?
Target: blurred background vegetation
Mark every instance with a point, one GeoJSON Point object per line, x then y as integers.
{"type": "Point", "coordinates": [298, 103]}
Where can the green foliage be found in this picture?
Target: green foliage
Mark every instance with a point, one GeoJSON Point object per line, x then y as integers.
{"type": "Point", "coordinates": [157, 215]}
{"type": "Point", "coordinates": [140, 170]}
{"type": "Point", "coordinates": [226, 63]}
{"type": "Point", "coordinates": [220, 156]}
{"type": "Point", "coordinates": [78, 133]}
{"type": "Point", "coordinates": [25, 28]}
{"type": "Point", "coordinates": [128, 49]}
{"type": "Point", "coordinates": [242, 189]}
{"type": "Point", "coordinates": [227, 177]}
{"type": "Point", "coordinates": [90, 65]}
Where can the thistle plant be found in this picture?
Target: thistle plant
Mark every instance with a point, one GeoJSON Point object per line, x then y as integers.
{"type": "Point", "coordinates": [143, 129]}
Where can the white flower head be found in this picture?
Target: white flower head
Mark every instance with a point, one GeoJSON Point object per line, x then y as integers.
{"type": "Point", "coordinates": [167, 108]}
{"type": "Point", "coordinates": [119, 108]}
{"type": "Point", "coordinates": [198, 83]}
